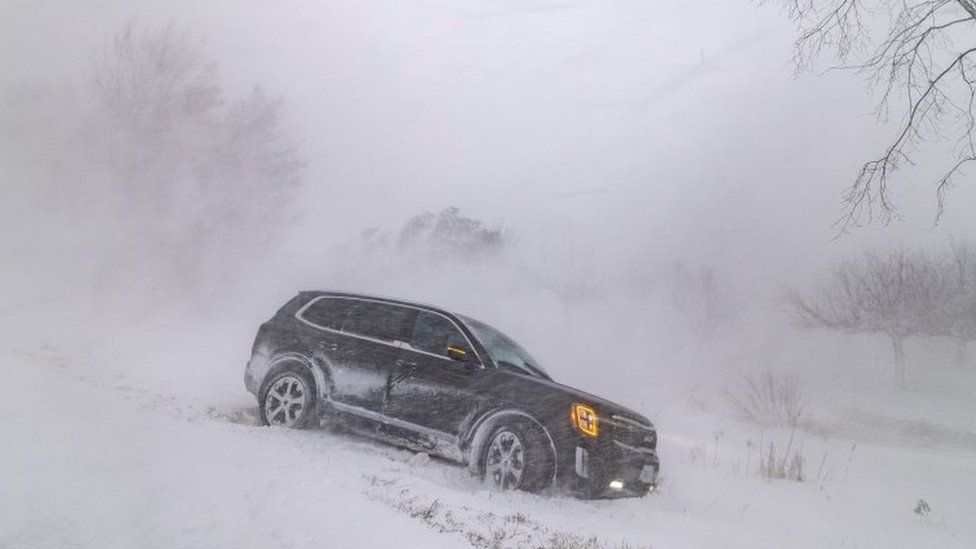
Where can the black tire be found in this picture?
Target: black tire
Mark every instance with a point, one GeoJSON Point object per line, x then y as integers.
{"type": "Point", "coordinates": [538, 459]}
{"type": "Point", "coordinates": [297, 383]}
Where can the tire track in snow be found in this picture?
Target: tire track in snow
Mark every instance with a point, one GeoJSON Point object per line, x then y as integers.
{"type": "Point", "coordinates": [479, 528]}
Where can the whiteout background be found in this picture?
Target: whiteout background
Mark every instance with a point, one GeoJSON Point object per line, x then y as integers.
{"type": "Point", "coordinates": [611, 141]}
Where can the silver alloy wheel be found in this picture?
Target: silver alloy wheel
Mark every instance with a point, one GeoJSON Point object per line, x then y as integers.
{"type": "Point", "coordinates": [285, 401]}
{"type": "Point", "coordinates": [505, 461]}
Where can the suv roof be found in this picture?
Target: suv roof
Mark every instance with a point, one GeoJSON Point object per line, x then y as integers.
{"type": "Point", "coordinates": [316, 293]}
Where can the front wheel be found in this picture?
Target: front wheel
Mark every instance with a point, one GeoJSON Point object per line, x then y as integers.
{"type": "Point", "coordinates": [288, 399]}
{"type": "Point", "coordinates": [518, 457]}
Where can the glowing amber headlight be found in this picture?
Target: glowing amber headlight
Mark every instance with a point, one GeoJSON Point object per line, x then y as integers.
{"type": "Point", "coordinates": [584, 419]}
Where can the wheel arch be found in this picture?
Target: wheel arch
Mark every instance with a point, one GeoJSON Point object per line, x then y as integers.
{"type": "Point", "coordinates": [481, 429]}
{"type": "Point", "coordinates": [320, 375]}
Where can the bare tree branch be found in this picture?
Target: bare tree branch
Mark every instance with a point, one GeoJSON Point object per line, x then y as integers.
{"type": "Point", "coordinates": [919, 72]}
{"type": "Point", "coordinates": [969, 6]}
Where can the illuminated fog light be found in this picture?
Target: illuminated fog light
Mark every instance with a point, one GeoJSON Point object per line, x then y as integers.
{"type": "Point", "coordinates": [616, 485]}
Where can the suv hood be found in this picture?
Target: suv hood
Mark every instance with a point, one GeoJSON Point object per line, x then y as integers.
{"type": "Point", "coordinates": [526, 386]}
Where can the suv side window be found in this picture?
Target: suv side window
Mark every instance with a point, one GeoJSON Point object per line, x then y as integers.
{"type": "Point", "coordinates": [329, 312]}
{"type": "Point", "coordinates": [376, 320]}
{"type": "Point", "coordinates": [433, 333]}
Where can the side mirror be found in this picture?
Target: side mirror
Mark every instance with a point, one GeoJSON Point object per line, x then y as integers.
{"type": "Point", "coordinates": [459, 353]}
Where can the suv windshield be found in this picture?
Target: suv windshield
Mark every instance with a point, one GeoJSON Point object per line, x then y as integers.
{"type": "Point", "coordinates": [504, 352]}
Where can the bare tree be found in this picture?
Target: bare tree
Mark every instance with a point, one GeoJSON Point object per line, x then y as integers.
{"type": "Point", "coordinates": [147, 79]}
{"type": "Point", "coordinates": [205, 181]}
{"type": "Point", "coordinates": [897, 293]}
{"type": "Point", "coordinates": [923, 65]}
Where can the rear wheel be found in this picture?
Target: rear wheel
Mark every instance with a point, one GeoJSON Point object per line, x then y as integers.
{"type": "Point", "coordinates": [518, 456]}
{"type": "Point", "coordinates": [288, 399]}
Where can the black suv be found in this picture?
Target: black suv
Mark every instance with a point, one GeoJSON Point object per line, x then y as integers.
{"type": "Point", "coordinates": [443, 383]}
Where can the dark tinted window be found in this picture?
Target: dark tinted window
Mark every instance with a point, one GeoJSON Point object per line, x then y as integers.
{"type": "Point", "coordinates": [376, 320]}
{"type": "Point", "coordinates": [329, 312]}
{"type": "Point", "coordinates": [433, 333]}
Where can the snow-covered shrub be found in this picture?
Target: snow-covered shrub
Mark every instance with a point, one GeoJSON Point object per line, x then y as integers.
{"type": "Point", "coordinates": [768, 398]}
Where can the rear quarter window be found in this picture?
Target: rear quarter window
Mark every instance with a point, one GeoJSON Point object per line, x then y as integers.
{"type": "Point", "coordinates": [328, 312]}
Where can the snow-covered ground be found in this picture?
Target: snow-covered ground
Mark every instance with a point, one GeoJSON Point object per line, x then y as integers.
{"type": "Point", "coordinates": [122, 435]}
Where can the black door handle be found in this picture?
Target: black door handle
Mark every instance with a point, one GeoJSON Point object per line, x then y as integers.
{"type": "Point", "coordinates": [329, 346]}
{"type": "Point", "coordinates": [406, 363]}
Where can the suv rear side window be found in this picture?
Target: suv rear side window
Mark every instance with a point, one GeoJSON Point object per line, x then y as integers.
{"type": "Point", "coordinates": [329, 312]}
{"type": "Point", "coordinates": [376, 320]}
{"type": "Point", "coordinates": [432, 333]}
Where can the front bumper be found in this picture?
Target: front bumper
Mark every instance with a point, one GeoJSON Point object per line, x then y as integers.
{"type": "Point", "coordinates": [610, 469]}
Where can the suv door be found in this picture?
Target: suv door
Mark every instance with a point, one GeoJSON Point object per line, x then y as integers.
{"type": "Point", "coordinates": [323, 317]}
{"type": "Point", "coordinates": [368, 350]}
{"type": "Point", "coordinates": [431, 393]}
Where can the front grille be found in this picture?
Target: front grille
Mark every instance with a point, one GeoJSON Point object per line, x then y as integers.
{"type": "Point", "coordinates": [633, 434]}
